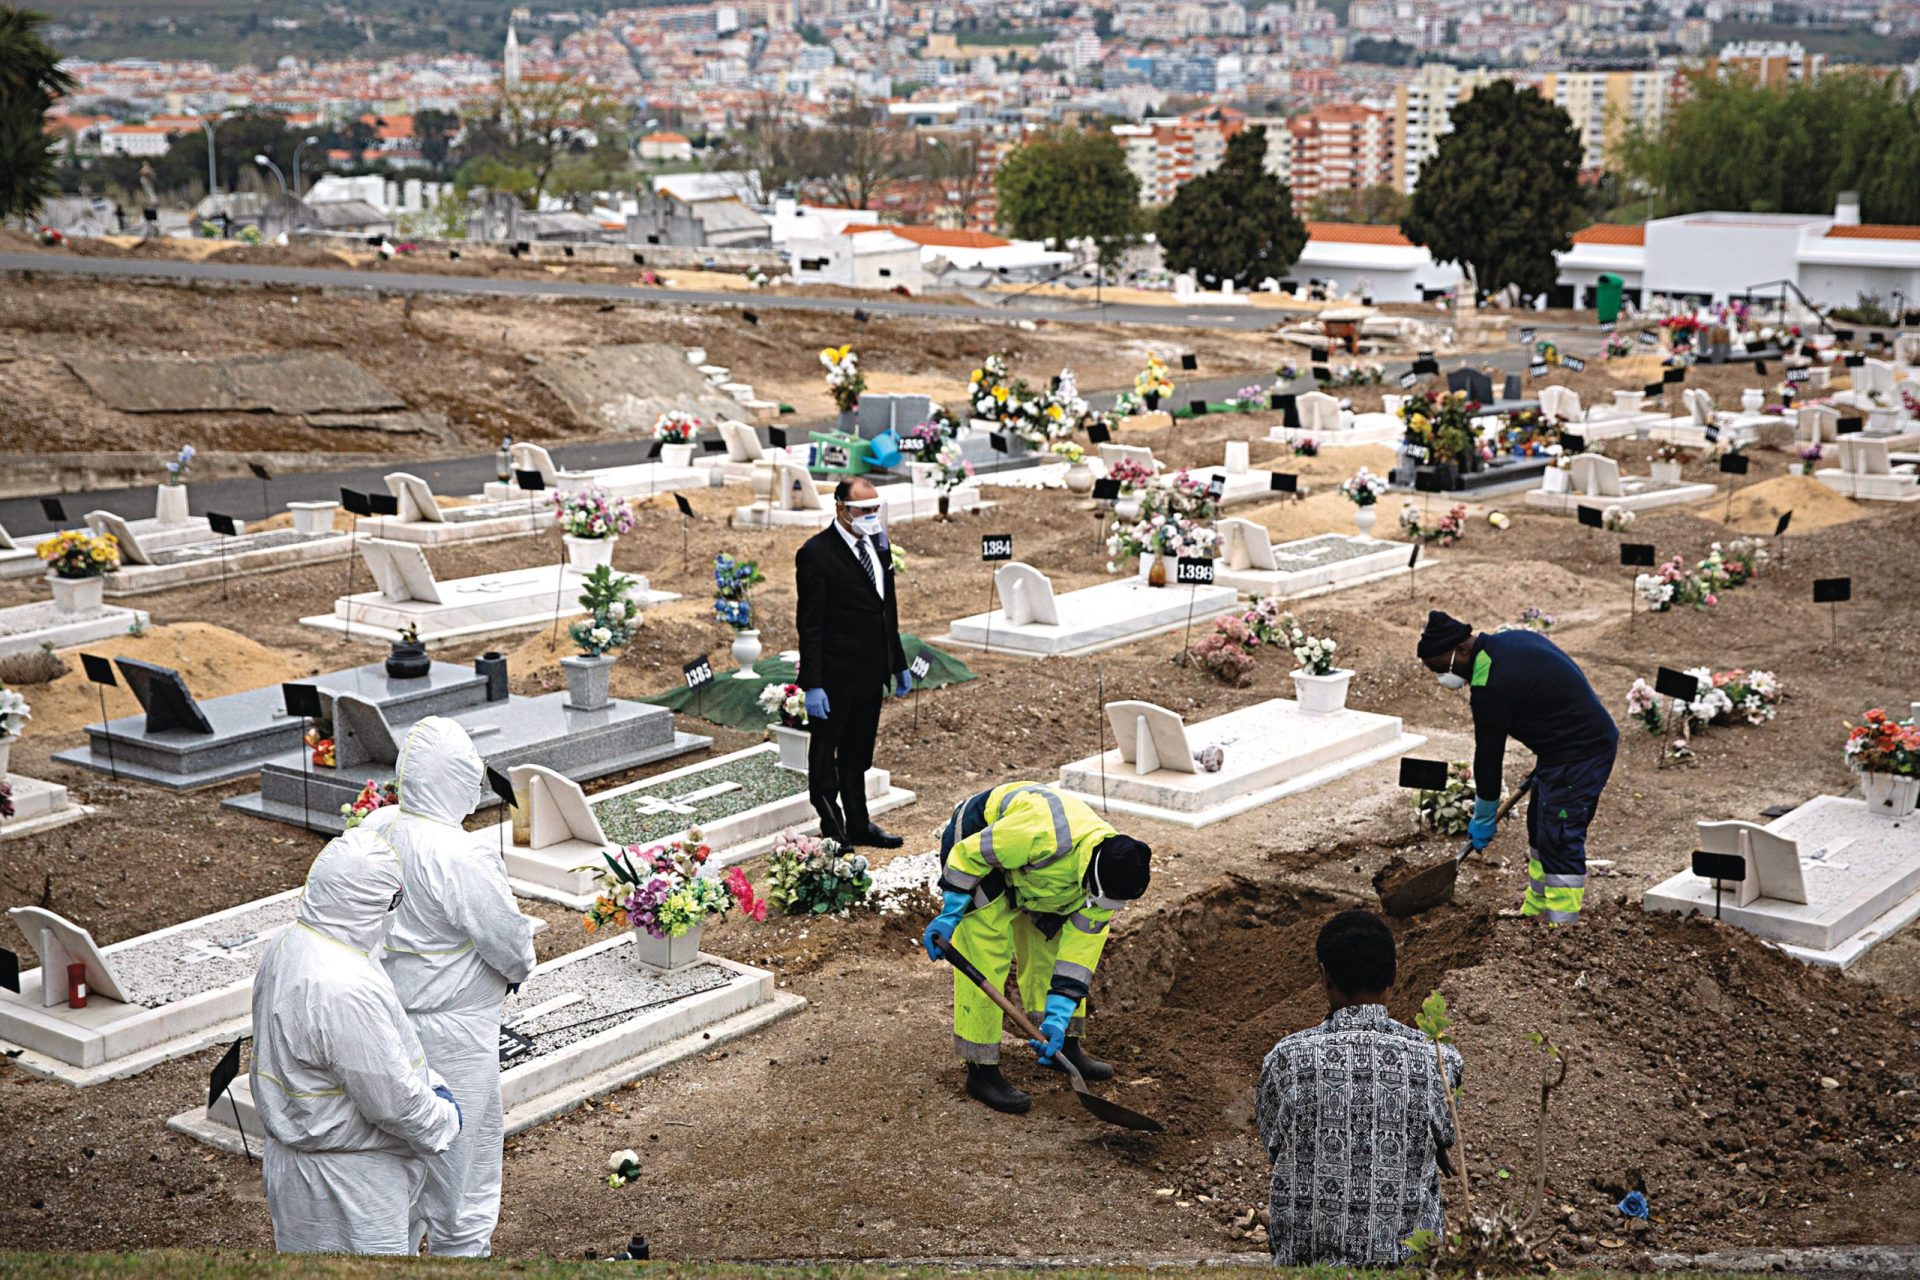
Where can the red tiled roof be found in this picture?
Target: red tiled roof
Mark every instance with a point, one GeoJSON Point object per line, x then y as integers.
{"type": "Point", "coordinates": [1355, 233]}
{"type": "Point", "coordinates": [938, 237]}
{"type": "Point", "coordinates": [1874, 231]}
{"type": "Point", "coordinates": [665, 138]}
{"type": "Point", "coordinates": [1610, 233]}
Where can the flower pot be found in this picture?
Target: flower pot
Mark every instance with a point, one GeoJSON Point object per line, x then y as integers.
{"type": "Point", "coordinates": [1363, 517]}
{"type": "Point", "coordinates": [1152, 400]}
{"type": "Point", "coordinates": [408, 661]}
{"type": "Point", "coordinates": [1127, 507]}
{"type": "Point", "coordinates": [1554, 480]}
{"type": "Point", "coordinates": [1153, 567]}
{"type": "Point", "coordinates": [850, 420]}
{"type": "Point", "coordinates": [493, 667]}
{"type": "Point", "coordinates": [746, 652]}
{"type": "Point", "coordinates": [793, 744]}
{"type": "Point", "coordinates": [586, 554]}
{"type": "Point", "coordinates": [1890, 795]}
{"type": "Point", "coordinates": [1079, 477]}
{"type": "Point", "coordinates": [1318, 695]}
{"type": "Point", "coordinates": [1752, 400]}
{"type": "Point", "coordinates": [1665, 472]}
{"type": "Point", "coordinates": [945, 505]}
{"type": "Point", "coordinates": [587, 681]}
{"type": "Point", "coordinates": [77, 595]}
{"type": "Point", "coordinates": [170, 504]}
{"type": "Point", "coordinates": [664, 955]}
{"type": "Point", "coordinates": [677, 455]}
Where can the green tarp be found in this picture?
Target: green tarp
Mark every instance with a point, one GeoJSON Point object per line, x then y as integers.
{"type": "Point", "coordinates": [736, 703]}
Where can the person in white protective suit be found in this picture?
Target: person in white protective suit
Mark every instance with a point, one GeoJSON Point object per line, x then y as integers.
{"type": "Point", "coordinates": [340, 1083]}
{"type": "Point", "coordinates": [458, 944]}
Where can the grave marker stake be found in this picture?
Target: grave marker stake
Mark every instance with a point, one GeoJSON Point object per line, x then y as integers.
{"type": "Point", "coordinates": [100, 672]}
{"type": "Point", "coordinates": [266, 491]}
{"type": "Point", "coordinates": [986, 644]}
{"type": "Point", "coordinates": [220, 1083]}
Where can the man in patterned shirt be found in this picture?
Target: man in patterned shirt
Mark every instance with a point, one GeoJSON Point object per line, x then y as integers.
{"type": "Point", "coordinates": [1354, 1115]}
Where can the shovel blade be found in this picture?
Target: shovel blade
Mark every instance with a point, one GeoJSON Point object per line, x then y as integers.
{"type": "Point", "coordinates": [1114, 1113]}
{"type": "Point", "coordinates": [1407, 891]}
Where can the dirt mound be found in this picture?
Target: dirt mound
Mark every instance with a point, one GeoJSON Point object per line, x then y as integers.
{"type": "Point", "coordinates": [1757, 508]}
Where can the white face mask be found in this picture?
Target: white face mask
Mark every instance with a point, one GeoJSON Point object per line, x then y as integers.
{"type": "Point", "coordinates": [1448, 680]}
{"type": "Point", "coordinates": [867, 525]}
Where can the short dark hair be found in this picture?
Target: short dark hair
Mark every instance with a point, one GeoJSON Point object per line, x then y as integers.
{"type": "Point", "coordinates": [841, 490]}
{"type": "Point", "coordinates": [1356, 950]}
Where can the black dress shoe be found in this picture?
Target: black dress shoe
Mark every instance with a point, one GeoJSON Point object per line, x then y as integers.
{"type": "Point", "coordinates": [986, 1084]}
{"type": "Point", "coordinates": [1091, 1069]}
{"type": "Point", "coordinates": [874, 838]}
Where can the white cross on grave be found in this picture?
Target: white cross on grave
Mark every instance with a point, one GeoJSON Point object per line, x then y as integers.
{"type": "Point", "coordinates": [651, 805]}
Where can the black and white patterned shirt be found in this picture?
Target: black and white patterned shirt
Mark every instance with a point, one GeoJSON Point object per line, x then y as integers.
{"type": "Point", "coordinates": [1354, 1115]}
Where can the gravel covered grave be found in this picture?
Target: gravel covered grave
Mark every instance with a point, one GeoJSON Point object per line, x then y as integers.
{"type": "Point", "coordinates": [200, 958]}
{"type": "Point", "coordinates": [612, 985]}
{"type": "Point", "coordinates": [762, 781]}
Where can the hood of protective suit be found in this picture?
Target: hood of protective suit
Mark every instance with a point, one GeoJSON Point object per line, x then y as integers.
{"type": "Point", "coordinates": [352, 890]}
{"type": "Point", "coordinates": [439, 771]}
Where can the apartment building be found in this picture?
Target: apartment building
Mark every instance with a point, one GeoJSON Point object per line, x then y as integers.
{"type": "Point", "coordinates": [1422, 111]}
{"type": "Point", "coordinates": [1337, 146]}
{"type": "Point", "coordinates": [1604, 104]}
{"type": "Point", "coordinates": [1769, 62]}
{"type": "Point", "coordinates": [1164, 153]}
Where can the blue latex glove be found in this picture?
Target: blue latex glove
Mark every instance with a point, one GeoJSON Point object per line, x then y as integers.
{"type": "Point", "coordinates": [903, 684]}
{"type": "Point", "coordinates": [1480, 830]}
{"type": "Point", "coordinates": [952, 907]}
{"type": "Point", "coordinates": [817, 708]}
{"type": "Point", "coordinates": [1054, 1026]}
{"type": "Point", "coordinates": [441, 1091]}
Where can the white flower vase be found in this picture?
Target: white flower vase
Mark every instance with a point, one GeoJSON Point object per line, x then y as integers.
{"type": "Point", "coordinates": [584, 555]}
{"type": "Point", "coordinates": [1553, 480]}
{"type": "Point", "coordinates": [1363, 518]}
{"type": "Point", "coordinates": [1890, 795]}
{"type": "Point", "coordinates": [77, 595]}
{"type": "Point", "coordinates": [746, 652]}
{"type": "Point", "coordinates": [1664, 472]}
{"type": "Point", "coordinates": [664, 955]}
{"type": "Point", "coordinates": [1127, 507]}
{"type": "Point", "coordinates": [1318, 695]}
{"type": "Point", "coordinates": [1752, 400]}
{"type": "Point", "coordinates": [793, 744]}
{"type": "Point", "coordinates": [677, 455]}
{"type": "Point", "coordinates": [1079, 477]}
{"type": "Point", "coordinates": [170, 504]}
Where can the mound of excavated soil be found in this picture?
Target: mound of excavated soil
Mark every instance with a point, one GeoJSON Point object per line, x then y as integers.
{"type": "Point", "coordinates": [213, 661]}
{"type": "Point", "coordinates": [1757, 508]}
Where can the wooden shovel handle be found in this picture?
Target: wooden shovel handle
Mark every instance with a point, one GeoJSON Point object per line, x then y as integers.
{"type": "Point", "coordinates": [1007, 1006]}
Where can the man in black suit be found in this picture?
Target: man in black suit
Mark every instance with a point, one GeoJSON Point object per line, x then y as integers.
{"type": "Point", "coordinates": [850, 655]}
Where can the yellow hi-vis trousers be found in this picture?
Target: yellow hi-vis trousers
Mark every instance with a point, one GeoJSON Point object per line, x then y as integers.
{"type": "Point", "coordinates": [994, 937]}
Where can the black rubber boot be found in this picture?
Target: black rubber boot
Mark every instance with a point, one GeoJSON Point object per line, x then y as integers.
{"type": "Point", "coordinates": [1091, 1069]}
{"type": "Point", "coordinates": [986, 1084]}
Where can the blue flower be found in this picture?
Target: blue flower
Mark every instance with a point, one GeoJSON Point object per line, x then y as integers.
{"type": "Point", "coordinates": [1635, 1205]}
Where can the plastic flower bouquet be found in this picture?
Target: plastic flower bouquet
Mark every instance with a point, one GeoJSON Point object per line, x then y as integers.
{"type": "Point", "coordinates": [676, 426]}
{"type": "Point", "coordinates": [813, 875]}
{"type": "Point", "coordinates": [374, 795]}
{"type": "Point", "coordinates": [15, 711]}
{"type": "Point", "coordinates": [1447, 811]}
{"type": "Point", "coordinates": [788, 702]}
{"type": "Point", "coordinates": [1153, 382]}
{"type": "Point", "coordinates": [954, 470]}
{"type": "Point", "coordinates": [733, 584]}
{"type": "Point", "coordinates": [1440, 422]}
{"type": "Point", "coordinates": [1133, 476]}
{"type": "Point", "coordinates": [1363, 488]}
{"type": "Point", "coordinates": [1881, 744]}
{"type": "Point", "coordinates": [1315, 656]}
{"type": "Point", "coordinates": [1617, 518]}
{"type": "Point", "coordinates": [181, 464]}
{"type": "Point", "coordinates": [845, 382]}
{"type": "Point", "coordinates": [1227, 651]}
{"type": "Point", "coordinates": [1067, 449]}
{"type": "Point", "coordinates": [625, 1166]}
{"type": "Point", "coordinates": [1673, 584]}
{"type": "Point", "coordinates": [591, 514]}
{"type": "Point", "coordinates": [76, 553]}
{"type": "Point", "coordinates": [662, 890]}
{"type": "Point", "coordinates": [612, 616]}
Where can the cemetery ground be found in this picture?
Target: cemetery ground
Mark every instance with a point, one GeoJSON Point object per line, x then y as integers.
{"type": "Point", "coordinates": [1759, 1102]}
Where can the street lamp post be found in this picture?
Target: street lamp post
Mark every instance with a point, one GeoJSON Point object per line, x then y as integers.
{"type": "Point", "coordinates": [213, 180]}
{"type": "Point", "coordinates": [279, 177]}
{"type": "Point", "coordinates": [298, 190]}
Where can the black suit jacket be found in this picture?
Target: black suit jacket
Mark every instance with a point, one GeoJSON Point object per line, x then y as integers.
{"type": "Point", "coordinates": [849, 637]}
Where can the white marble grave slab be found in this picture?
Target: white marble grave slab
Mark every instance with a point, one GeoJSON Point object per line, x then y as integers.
{"type": "Point", "coordinates": [719, 1001]}
{"type": "Point", "coordinates": [1271, 749]}
{"type": "Point", "coordinates": [26, 627]}
{"type": "Point", "coordinates": [1860, 874]}
{"type": "Point", "coordinates": [39, 806]}
{"type": "Point", "coordinates": [904, 502]}
{"type": "Point", "coordinates": [1094, 618]}
{"type": "Point", "coordinates": [1308, 566]}
{"type": "Point", "coordinates": [1637, 493]}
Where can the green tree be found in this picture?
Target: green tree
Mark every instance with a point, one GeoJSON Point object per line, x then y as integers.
{"type": "Point", "coordinates": [30, 79]}
{"type": "Point", "coordinates": [1502, 194]}
{"type": "Point", "coordinates": [1376, 206]}
{"type": "Point", "coordinates": [1747, 147]}
{"type": "Point", "coordinates": [1235, 223]}
{"type": "Point", "coordinates": [1069, 185]}
{"type": "Point", "coordinates": [434, 131]}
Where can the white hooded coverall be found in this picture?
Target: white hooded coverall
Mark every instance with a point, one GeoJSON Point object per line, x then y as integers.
{"type": "Point", "coordinates": [340, 1082]}
{"type": "Point", "coordinates": [457, 941]}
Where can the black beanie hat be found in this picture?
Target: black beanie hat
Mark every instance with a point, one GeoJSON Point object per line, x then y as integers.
{"type": "Point", "coordinates": [1120, 868]}
{"type": "Point", "coordinates": [1442, 634]}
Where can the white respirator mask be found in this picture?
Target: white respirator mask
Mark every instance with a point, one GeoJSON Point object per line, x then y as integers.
{"type": "Point", "coordinates": [1447, 678]}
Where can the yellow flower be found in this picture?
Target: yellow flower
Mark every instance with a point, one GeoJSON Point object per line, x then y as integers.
{"type": "Point", "coordinates": [1053, 411]}
{"type": "Point", "coordinates": [1000, 393]}
{"type": "Point", "coordinates": [977, 375]}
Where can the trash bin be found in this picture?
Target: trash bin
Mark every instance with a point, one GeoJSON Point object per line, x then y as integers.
{"type": "Point", "coordinates": [1607, 292]}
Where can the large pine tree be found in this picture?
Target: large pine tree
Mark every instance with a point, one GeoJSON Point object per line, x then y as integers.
{"type": "Point", "coordinates": [1235, 223]}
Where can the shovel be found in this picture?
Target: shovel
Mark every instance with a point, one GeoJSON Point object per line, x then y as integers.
{"type": "Point", "coordinates": [1111, 1112]}
{"type": "Point", "coordinates": [1409, 891]}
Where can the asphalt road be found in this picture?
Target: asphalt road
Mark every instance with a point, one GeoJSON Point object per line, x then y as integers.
{"type": "Point", "coordinates": [1059, 311]}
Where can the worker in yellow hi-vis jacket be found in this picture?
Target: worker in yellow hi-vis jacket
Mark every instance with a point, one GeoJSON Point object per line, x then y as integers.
{"type": "Point", "coordinates": [1032, 876]}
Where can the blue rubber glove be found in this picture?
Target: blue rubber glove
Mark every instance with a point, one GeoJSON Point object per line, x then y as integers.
{"type": "Point", "coordinates": [441, 1091]}
{"type": "Point", "coordinates": [817, 708]}
{"type": "Point", "coordinates": [903, 684]}
{"type": "Point", "coordinates": [953, 906]}
{"type": "Point", "coordinates": [1054, 1026]}
{"type": "Point", "coordinates": [1480, 830]}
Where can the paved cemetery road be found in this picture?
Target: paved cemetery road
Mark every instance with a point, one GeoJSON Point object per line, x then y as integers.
{"type": "Point", "coordinates": [1059, 311]}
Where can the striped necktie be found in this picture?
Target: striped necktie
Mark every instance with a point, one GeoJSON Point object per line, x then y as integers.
{"type": "Point", "coordinates": [866, 561]}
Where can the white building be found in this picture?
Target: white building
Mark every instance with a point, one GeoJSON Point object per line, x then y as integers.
{"type": "Point", "coordinates": [1377, 262]}
{"type": "Point", "coordinates": [135, 140]}
{"type": "Point", "coordinates": [876, 260]}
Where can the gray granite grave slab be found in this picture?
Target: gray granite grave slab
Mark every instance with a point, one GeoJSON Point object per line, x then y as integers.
{"type": "Point", "coordinates": [581, 745]}
{"type": "Point", "coordinates": [248, 729]}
